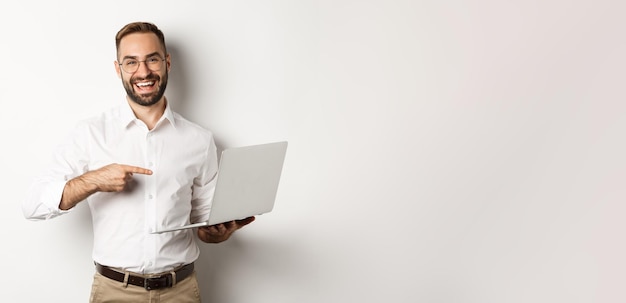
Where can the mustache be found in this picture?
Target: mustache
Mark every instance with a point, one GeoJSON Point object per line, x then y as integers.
{"type": "Point", "coordinates": [150, 77]}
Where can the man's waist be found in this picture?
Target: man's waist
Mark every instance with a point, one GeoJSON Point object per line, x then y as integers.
{"type": "Point", "coordinates": [147, 281]}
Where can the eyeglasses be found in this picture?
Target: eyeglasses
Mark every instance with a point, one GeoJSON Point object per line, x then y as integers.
{"type": "Point", "coordinates": [130, 65]}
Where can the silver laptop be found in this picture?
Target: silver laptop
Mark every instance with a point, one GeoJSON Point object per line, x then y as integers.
{"type": "Point", "coordinates": [247, 183]}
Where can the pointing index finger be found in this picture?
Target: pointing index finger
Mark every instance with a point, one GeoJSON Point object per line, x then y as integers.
{"type": "Point", "coordinates": [137, 170]}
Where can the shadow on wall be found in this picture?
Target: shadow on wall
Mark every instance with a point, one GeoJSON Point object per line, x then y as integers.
{"type": "Point", "coordinates": [216, 267]}
{"type": "Point", "coordinates": [248, 259]}
{"type": "Point", "coordinates": [179, 91]}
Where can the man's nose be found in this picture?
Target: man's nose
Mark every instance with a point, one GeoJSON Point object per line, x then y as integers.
{"type": "Point", "coordinates": [143, 69]}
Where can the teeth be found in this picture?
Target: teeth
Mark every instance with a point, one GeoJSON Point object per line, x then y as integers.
{"type": "Point", "coordinates": [145, 84]}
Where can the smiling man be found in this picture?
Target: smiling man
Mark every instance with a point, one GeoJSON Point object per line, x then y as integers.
{"type": "Point", "coordinates": [144, 87]}
{"type": "Point", "coordinates": [140, 167]}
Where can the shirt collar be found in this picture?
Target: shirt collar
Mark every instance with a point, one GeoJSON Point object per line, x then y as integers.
{"type": "Point", "coordinates": [127, 116]}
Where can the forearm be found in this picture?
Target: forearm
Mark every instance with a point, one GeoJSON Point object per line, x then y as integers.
{"type": "Point", "coordinates": [77, 190]}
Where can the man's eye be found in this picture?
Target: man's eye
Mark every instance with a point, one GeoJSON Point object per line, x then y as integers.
{"type": "Point", "coordinates": [130, 62]}
{"type": "Point", "coordinates": [153, 60]}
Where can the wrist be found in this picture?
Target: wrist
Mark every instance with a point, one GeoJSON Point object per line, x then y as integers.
{"type": "Point", "coordinates": [86, 183]}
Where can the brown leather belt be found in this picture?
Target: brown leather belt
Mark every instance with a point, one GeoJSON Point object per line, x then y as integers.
{"type": "Point", "coordinates": [149, 283]}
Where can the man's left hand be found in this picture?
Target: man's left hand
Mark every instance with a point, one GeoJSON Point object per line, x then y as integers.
{"type": "Point", "coordinates": [221, 232]}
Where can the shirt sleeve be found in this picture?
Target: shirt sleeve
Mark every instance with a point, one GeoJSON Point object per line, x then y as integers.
{"type": "Point", "coordinates": [204, 186]}
{"type": "Point", "coordinates": [44, 194]}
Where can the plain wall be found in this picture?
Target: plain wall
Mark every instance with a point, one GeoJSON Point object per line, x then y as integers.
{"type": "Point", "coordinates": [440, 151]}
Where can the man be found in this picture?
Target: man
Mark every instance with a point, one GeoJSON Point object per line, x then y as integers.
{"type": "Point", "coordinates": [140, 166]}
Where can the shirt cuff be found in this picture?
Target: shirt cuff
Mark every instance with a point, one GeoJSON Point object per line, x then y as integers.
{"type": "Point", "coordinates": [52, 197]}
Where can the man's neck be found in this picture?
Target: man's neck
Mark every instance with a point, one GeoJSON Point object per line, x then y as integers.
{"type": "Point", "coordinates": [150, 115]}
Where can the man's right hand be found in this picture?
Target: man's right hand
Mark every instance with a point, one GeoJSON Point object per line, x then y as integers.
{"type": "Point", "coordinates": [113, 177]}
{"type": "Point", "coordinates": [110, 178]}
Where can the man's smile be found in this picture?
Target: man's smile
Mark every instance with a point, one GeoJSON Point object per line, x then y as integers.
{"type": "Point", "coordinates": [145, 86]}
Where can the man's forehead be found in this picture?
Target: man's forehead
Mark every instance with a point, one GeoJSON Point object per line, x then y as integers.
{"type": "Point", "coordinates": [139, 44]}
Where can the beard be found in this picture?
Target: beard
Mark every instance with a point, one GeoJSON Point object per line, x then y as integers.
{"type": "Point", "coordinates": [146, 99]}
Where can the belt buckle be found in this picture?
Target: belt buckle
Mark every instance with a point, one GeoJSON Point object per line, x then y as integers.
{"type": "Point", "coordinates": [157, 282]}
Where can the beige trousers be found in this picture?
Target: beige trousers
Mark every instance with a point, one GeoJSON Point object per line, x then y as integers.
{"type": "Point", "coordinates": [105, 290]}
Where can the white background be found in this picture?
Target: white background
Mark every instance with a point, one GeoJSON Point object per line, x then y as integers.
{"type": "Point", "coordinates": [440, 151]}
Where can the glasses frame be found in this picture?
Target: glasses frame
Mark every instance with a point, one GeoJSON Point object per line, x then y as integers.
{"type": "Point", "coordinates": [144, 62]}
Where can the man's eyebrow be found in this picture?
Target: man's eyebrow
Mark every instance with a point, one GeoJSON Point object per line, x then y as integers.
{"type": "Point", "coordinates": [147, 56]}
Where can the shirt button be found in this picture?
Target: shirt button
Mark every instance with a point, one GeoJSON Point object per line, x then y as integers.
{"type": "Point", "coordinates": [149, 196]}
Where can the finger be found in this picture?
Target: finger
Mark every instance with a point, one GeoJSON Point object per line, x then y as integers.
{"type": "Point", "coordinates": [243, 222]}
{"type": "Point", "coordinates": [222, 228]}
{"type": "Point", "coordinates": [136, 170]}
{"type": "Point", "coordinates": [214, 229]}
{"type": "Point", "coordinates": [229, 224]}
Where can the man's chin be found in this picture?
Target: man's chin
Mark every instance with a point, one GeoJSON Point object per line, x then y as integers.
{"type": "Point", "coordinates": [145, 100]}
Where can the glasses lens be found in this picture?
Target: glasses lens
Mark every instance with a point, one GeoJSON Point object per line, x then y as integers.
{"type": "Point", "coordinates": [130, 65]}
{"type": "Point", "coordinates": [154, 63]}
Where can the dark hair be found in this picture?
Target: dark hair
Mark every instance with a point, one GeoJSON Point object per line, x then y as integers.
{"type": "Point", "coordinates": [139, 27]}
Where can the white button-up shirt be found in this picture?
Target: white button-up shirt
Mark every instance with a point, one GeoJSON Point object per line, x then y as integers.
{"type": "Point", "coordinates": [183, 158]}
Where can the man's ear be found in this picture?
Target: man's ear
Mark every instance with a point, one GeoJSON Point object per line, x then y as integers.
{"type": "Point", "coordinates": [168, 62]}
{"type": "Point", "coordinates": [118, 70]}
